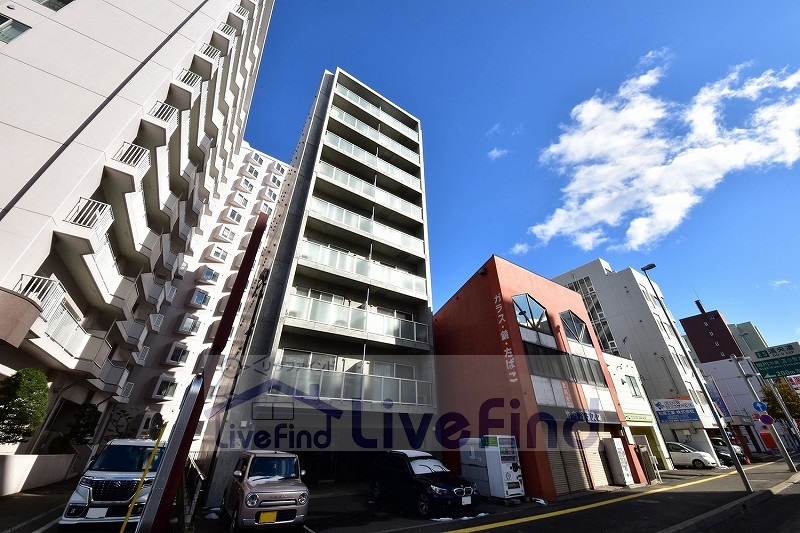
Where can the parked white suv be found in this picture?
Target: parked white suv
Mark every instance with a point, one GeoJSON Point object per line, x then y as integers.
{"type": "Point", "coordinates": [683, 455]}
{"type": "Point", "coordinates": [106, 489]}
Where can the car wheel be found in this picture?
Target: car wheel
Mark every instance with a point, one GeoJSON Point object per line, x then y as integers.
{"type": "Point", "coordinates": [424, 505]}
{"type": "Point", "coordinates": [697, 463]}
{"type": "Point", "coordinates": [376, 491]}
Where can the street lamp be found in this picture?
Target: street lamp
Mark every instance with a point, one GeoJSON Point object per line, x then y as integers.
{"type": "Point", "coordinates": [706, 395]}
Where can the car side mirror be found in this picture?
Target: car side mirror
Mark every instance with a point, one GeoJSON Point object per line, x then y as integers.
{"type": "Point", "coordinates": [237, 474]}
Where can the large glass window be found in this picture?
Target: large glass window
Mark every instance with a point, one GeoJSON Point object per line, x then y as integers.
{"type": "Point", "coordinates": [575, 328]}
{"type": "Point", "coordinates": [531, 314]}
{"type": "Point", "coordinates": [10, 29]}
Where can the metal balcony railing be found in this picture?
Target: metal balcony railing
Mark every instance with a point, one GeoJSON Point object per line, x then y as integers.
{"type": "Point", "coordinates": [47, 292]}
{"type": "Point", "coordinates": [166, 113]}
{"type": "Point", "coordinates": [332, 384]}
{"type": "Point", "coordinates": [227, 29]}
{"type": "Point", "coordinates": [91, 214]}
{"type": "Point", "coordinates": [353, 318]}
{"type": "Point", "coordinates": [134, 156]}
{"type": "Point", "coordinates": [63, 329]}
{"type": "Point", "coordinates": [187, 77]}
{"type": "Point", "coordinates": [353, 264]}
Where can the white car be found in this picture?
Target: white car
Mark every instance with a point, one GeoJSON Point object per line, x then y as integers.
{"type": "Point", "coordinates": [683, 455]}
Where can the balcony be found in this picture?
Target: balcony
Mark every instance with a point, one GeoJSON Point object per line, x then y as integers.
{"type": "Point", "coordinates": [154, 293]}
{"type": "Point", "coordinates": [373, 161]}
{"type": "Point", "coordinates": [224, 38]}
{"type": "Point", "coordinates": [168, 263]}
{"type": "Point", "coordinates": [367, 226]}
{"type": "Point", "coordinates": [359, 186]}
{"type": "Point", "coordinates": [332, 384]}
{"type": "Point", "coordinates": [113, 377]}
{"type": "Point", "coordinates": [186, 88]}
{"type": "Point", "coordinates": [87, 224]}
{"type": "Point", "coordinates": [94, 356]}
{"type": "Point", "coordinates": [207, 60]}
{"type": "Point", "coordinates": [357, 320]}
{"type": "Point", "coordinates": [160, 123]}
{"type": "Point", "coordinates": [133, 332]}
{"type": "Point", "coordinates": [19, 315]}
{"type": "Point", "coordinates": [239, 18]}
{"type": "Point", "coordinates": [127, 167]}
{"type": "Point", "coordinates": [65, 330]}
{"type": "Point", "coordinates": [353, 265]}
{"type": "Point", "coordinates": [140, 357]}
{"type": "Point", "coordinates": [47, 293]}
{"type": "Point", "coordinates": [377, 112]}
{"type": "Point", "coordinates": [380, 138]}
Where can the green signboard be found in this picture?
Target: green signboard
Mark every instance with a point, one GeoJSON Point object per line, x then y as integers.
{"type": "Point", "coordinates": [778, 367]}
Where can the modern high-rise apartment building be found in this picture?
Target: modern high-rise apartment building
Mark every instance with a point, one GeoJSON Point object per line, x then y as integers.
{"type": "Point", "coordinates": [341, 345]}
{"type": "Point", "coordinates": [630, 322]}
{"type": "Point", "coordinates": [124, 207]}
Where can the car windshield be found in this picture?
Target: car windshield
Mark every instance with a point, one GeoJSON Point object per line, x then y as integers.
{"type": "Point", "coordinates": [424, 465]}
{"type": "Point", "coordinates": [273, 468]}
{"type": "Point", "coordinates": [127, 458]}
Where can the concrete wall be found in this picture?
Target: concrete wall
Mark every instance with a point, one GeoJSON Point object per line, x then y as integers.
{"type": "Point", "coordinates": [21, 472]}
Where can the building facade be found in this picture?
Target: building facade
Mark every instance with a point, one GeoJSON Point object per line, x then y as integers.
{"type": "Point", "coordinates": [521, 358]}
{"type": "Point", "coordinates": [630, 322]}
{"type": "Point", "coordinates": [341, 343]}
{"type": "Point", "coordinates": [124, 207]}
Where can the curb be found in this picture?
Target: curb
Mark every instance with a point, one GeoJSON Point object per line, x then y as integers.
{"type": "Point", "coordinates": [707, 520]}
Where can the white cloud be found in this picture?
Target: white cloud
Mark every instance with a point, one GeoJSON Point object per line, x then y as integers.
{"type": "Point", "coordinates": [777, 284]}
{"type": "Point", "coordinates": [520, 248]}
{"type": "Point", "coordinates": [497, 153]}
{"type": "Point", "coordinates": [637, 164]}
{"type": "Point", "coordinates": [497, 128]}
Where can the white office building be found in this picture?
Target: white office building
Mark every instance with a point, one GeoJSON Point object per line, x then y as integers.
{"type": "Point", "coordinates": [630, 322]}
{"type": "Point", "coordinates": [125, 208]}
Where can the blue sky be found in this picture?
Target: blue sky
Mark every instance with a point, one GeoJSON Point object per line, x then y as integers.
{"type": "Point", "coordinates": [555, 133]}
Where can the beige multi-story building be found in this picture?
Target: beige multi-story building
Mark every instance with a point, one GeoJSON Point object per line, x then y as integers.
{"type": "Point", "coordinates": [124, 209]}
{"type": "Point", "coordinates": [341, 346]}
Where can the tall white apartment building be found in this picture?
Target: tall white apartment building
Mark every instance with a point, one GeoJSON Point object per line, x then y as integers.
{"type": "Point", "coordinates": [124, 207]}
{"type": "Point", "coordinates": [341, 345]}
{"type": "Point", "coordinates": [630, 322]}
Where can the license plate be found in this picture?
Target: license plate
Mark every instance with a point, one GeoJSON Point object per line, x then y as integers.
{"type": "Point", "coordinates": [466, 500]}
{"type": "Point", "coordinates": [265, 517]}
{"type": "Point", "coordinates": [96, 512]}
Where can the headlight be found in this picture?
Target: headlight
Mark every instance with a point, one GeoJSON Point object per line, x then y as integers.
{"type": "Point", "coordinates": [251, 500]}
{"type": "Point", "coordinates": [86, 481]}
{"type": "Point", "coordinates": [437, 490]}
{"type": "Point", "coordinates": [303, 498]}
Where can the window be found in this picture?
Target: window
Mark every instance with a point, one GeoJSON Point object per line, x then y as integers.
{"type": "Point", "coordinates": [227, 233]}
{"type": "Point", "coordinates": [209, 275]}
{"type": "Point", "coordinates": [166, 388]}
{"type": "Point", "coordinates": [319, 295]}
{"type": "Point", "coordinates": [252, 171]}
{"type": "Point", "coordinates": [233, 215]}
{"type": "Point", "coordinates": [305, 359]}
{"type": "Point", "coordinates": [189, 325]}
{"type": "Point", "coordinates": [55, 5]}
{"type": "Point", "coordinates": [247, 185]}
{"type": "Point", "coordinates": [178, 353]}
{"type": "Point", "coordinates": [265, 208]}
{"type": "Point", "coordinates": [633, 385]}
{"type": "Point", "coordinates": [575, 328]}
{"type": "Point", "coordinates": [257, 158]}
{"type": "Point", "coordinates": [271, 194]}
{"type": "Point", "coordinates": [531, 314]}
{"type": "Point", "coordinates": [199, 298]}
{"type": "Point", "coordinates": [218, 253]}
{"type": "Point", "coordinates": [10, 29]}
{"type": "Point", "coordinates": [275, 181]}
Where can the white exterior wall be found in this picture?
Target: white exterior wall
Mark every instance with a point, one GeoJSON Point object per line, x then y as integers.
{"type": "Point", "coordinates": [78, 86]}
{"type": "Point", "coordinates": [649, 340]}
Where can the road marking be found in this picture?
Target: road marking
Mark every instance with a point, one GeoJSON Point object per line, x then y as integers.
{"type": "Point", "coordinates": [593, 505]}
{"type": "Point", "coordinates": [37, 517]}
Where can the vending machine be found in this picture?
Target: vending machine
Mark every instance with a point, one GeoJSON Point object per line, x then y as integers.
{"type": "Point", "coordinates": [492, 463]}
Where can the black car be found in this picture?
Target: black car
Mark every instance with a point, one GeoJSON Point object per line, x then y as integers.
{"type": "Point", "coordinates": [420, 480]}
{"type": "Point", "coordinates": [724, 457]}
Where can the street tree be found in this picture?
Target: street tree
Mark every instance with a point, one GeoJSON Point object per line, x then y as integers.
{"type": "Point", "coordinates": [23, 404]}
{"type": "Point", "coordinates": [790, 398]}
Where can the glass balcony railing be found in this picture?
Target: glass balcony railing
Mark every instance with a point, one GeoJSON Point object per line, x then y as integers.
{"type": "Point", "coordinates": [353, 264]}
{"type": "Point", "coordinates": [376, 229]}
{"type": "Point", "coordinates": [331, 384]}
{"type": "Point", "coordinates": [374, 134]}
{"type": "Point", "coordinates": [367, 189]}
{"type": "Point", "coordinates": [377, 112]}
{"type": "Point", "coordinates": [353, 318]}
{"type": "Point", "coordinates": [359, 154]}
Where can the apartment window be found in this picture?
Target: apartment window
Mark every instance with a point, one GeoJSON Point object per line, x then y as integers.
{"type": "Point", "coordinates": [200, 298]}
{"type": "Point", "coordinates": [227, 233]}
{"type": "Point", "coordinates": [392, 370]}
{"type": "Point", "coordinates": [271, 195]}
{"type": "Point", "coordinates": [647, 295]}
{"type": "Point", "coordinates": [189, 325]}
{"type": "Point", "coordinates": [275, 181]}
{"type": "Point", "coordinates": [257, 158]}
{"type": "Point", "coordinates": [633, 385]}
{"type": "Point", "coordinates": [166, 388]}
{"type": "Point", "coordinates": [10, 29]}
{"type": "Point", "coordinates": [279, 168]}
{"type": "Point", "coordinates": [233, 215]}
{"type": "Point", "coordinates": [252, 171]}
{"type": "Point", "coordinates": [265, 208]}
{"type": "Point", "coordinates": [306, 359]}
{"type": "Point", "coordinates": [319, 295]}
{"type": "Point", "coordinates": [178, 354]}
{"type": "Point", "coordinates": [239, 199]}
{"type": "Point", "coordinates": [218, 253]}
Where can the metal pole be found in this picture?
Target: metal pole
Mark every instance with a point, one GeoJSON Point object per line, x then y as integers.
{"type": "Point", "coordinates": [706, 395]}
{"type": "Point", "coordinates": [738, 362]}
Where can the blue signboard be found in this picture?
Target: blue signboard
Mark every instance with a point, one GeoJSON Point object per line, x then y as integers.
{"type": "Point", "coordinates": [760, 407]}
{"type": "Point", "coordinates": [675, 410]}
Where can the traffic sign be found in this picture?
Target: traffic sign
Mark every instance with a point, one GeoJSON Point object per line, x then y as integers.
{"type": "Point", "coordinates": [779, 367]}
{"type": "Point", "coordinates": [761, 407]}
{"type": "Point", "coordinates": [766, 419]}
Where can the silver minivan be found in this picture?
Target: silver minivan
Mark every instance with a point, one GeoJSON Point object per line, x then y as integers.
{"type": "Point", "coordinates": [107, 488]}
